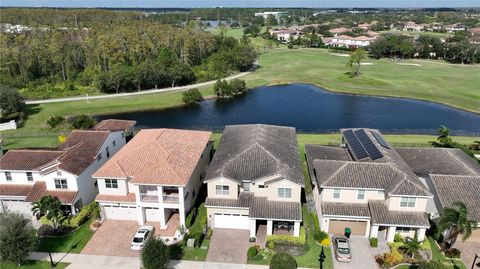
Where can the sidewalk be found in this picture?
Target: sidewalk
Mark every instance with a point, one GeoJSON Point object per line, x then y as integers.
{"type": "Point", "coordinates": [81, 261]}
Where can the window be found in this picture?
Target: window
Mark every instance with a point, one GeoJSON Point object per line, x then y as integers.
{"type": "Point", "coordinates": [111, 184]}
{"type": "Point", "coordinates": [99, 156]}
{"type": "Point", "coordinates": [284, 192]}
{"type": "Point", "coordinates": [59, 173]}
{"type": "Point", "coordinates": [336, 193]}
{"type": "Point", "coordinates": [107, 151]}
{"type": "Point", "coordinates": [222, 190]}
{"type": "Point", "coordinates": [61, 184]}
{"type": "Point", "coordinates": [246, 186]}
{"type": "Point", "coordinates": [8, 176]}
{"type": "Point", "coordinates": [361, 194]}
{"type": "Point", "coordinates": [29, 176]}
{"type": "Point", "coordinates": [261, 186]}
{"type": "Point", "coordinates": [407, 202]}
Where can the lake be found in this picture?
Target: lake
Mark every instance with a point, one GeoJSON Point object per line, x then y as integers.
{"type": "Point", "coordinates": [311, 110]}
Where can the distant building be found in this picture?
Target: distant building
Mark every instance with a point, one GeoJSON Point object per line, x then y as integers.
{"type": "Point", "coordinates": [452, 28]}
{"type": "Point", "coordinates": [345, 41]}
{"type": "Point", "coordinates": [284, 35]}
{"type": "Point", "coordinates": [276, 14]}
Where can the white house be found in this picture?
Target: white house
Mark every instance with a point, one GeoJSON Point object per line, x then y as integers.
{"type": "Point", "coordinates": [348, 41]}
{"type": "Point", "coordinates": [277, 14]}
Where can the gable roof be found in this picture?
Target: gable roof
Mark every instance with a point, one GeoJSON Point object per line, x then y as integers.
{"type": "Point", "coordinates": [114, 125]}
{"type": "Point", "coordinates": [452, 188]}
{"type": "Point", "coordinates": [250, 152]}
{"type": "Point", "coordinates": [28, 159]}
{"type": "Point", "coordinates": [447, 161]}
{"type": "Point", "coordinates": [157, 156]}
{"type": "Point", "coordinates": [381, 215]}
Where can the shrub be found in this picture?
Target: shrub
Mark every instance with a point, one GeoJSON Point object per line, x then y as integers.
{"type": "Point", "coordinates": [198, 236]}
{"type": "Point", "coordinates": [252, 251]}
{"type": "Point", "coordinates": [87, 212]}
{"type": "Point", "coordinates": [325, 242]}
{"type": "Point", "coordinates": [155, 254]}
{"type": "Point", "coordinates": [398, 238]}
{"type": "Point", "coordinates": [425, 245]}
{"type": "Point", "coordinates": [431, 265]}
{"type": "Point", "coordinates": [190, 217]}
{"type": "Point", "coordinates": [271, 244]}
{"type": "Point", "coordinates": [238, 86]}
{"type": "Point", "coordinates": [191, 96]}
{"type": "Point", "coordinates": [283, 261]}
{"type": "Point", "coordinates": [319, 235]}
{"type": "Point", "coordinates": [222, 88]}
{"type": "Point", "coordinates": [452, 253]}
{"type": "Point", "coordinates": [17, 238]}
{"type": "Point", "coordinates": [288, 239]}
{"type": "Point", "coordinates": [83, 122]}
{"type": "Point", "coordinates": [175, 251]}
{"type": "Point", "coordinates": [55, 121]}
{"type": "Point", "coordinates": [44, 220]}
{"type": "Point", "coordinates": [374, 242]}
{"type": "Point", "coordinates": [314, 216]}
{"type": "Point", "coordinates": [392, 258]}
{"type": "Point", "coordinates": [209, 233]}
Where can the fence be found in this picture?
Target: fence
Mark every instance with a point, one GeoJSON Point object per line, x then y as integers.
{"type": "Point", "coordinates": [30, 134]}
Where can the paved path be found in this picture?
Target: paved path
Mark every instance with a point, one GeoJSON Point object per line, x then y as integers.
{"type": "Point", "coordinates": [82, 261]}
{"type": "Point", "coordinates": [171, 89]}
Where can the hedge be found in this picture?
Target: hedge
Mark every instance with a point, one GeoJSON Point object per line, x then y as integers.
{"type": "Point", "coordinates": [373, 242]}
{"type": "Point", "coordinates": [288, 239]}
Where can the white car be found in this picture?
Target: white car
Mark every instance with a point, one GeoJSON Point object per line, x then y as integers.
{"type": "Point", "coordinates": [141, 236]}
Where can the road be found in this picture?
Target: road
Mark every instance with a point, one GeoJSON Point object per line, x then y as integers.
{"type": "Point", "coordinates": [116, 95]}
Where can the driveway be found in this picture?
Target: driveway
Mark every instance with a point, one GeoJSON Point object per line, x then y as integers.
{"type": "Point", "coordinates": [228, 246]}
{"type": "Point", "coordinates": [468, 250]}
{"type": "Point", "coordinates": [363, 256]}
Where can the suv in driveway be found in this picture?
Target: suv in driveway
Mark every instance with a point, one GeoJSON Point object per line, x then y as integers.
{"type": "Point", "coordinates": [341, 246]}
{"type": "Point", "coordinates": [140, 237]}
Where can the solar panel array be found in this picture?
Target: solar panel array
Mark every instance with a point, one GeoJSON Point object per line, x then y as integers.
{"type": "Point", "coordinates": [380, 140]}
{"type": "Point", "coordinates": [361, 145]}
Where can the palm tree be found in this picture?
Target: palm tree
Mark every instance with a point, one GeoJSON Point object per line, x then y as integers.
{"type": "Point", "coordinates": [49, 206]}
{"type": "Point", "coordinates": [412, 246]}
{"type": "Point", "coordinates": [356, 58]}
{"type": "Point", "coordinates": [444, 136]}
{"type": "Point", "coordinates": [456, 222]}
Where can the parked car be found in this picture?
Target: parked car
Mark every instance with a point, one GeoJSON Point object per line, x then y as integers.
{"type": "Point", "coordinates": [141, 236]}
{"type": "Point", "coordinates": [341, 246]}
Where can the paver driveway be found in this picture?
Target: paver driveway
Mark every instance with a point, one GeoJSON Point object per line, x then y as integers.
{"type": "Point", "coordinates": [363, 256]}
{"type": "Point", "coordinates": [468, 251]}
{"type": "Point", "coordinates": [229, 246]}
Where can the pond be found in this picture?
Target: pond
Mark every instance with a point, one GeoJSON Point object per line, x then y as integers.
{"type": "Point", "coordinates": [311, 110]}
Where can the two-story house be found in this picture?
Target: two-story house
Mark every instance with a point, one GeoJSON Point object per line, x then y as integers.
{"type": "Point", "coordinates": [65, 172]}
{"type": "Point", "coordinates": [366, 186]}
{"type": "Point", "coordinates": [255, 180]}
{"type": "Point", "coordinates": [156, 177]}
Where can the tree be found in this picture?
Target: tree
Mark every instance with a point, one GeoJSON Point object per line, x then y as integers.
{"type": "Point", "coordinates": [191, 96]}
{"type": "Point", "coordinates": [356, 58]}
{"type": "Point", "coordinates": [412, 246]}
{"type": "Point", "coordinates": [11, 102]}
{"type": "Point", "coordinates": [155, 254]}
{"type": "Point", "coordinates": [271, 20]}
{"type": "Point", "coordinates": [456, 221]}
{"type": "Point", "coordinates": [443, 140]}
{"type": "Point", "coordinates": [50, 207]}
{"type": "Point", "coordinates": [222, 89]}
{"type": "Point", "coordinates": [83, 122]}
{"type": "Point", "coordinates": [238, 86]}
{"type": "Point", "coordinates": [17, 238]}
{"type": "Point", "coordinates": [283, 261]}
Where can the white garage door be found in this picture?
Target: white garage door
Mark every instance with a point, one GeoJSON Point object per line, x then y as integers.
{"type": "Point", "coordinates": [231, 221]}
{"type": "Point", "coordinates": [152, 214]}
{"type": "Point", "coordinates": [120, 212]}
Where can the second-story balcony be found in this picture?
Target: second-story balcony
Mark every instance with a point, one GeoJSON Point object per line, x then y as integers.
{"type": "Point", "coordinates": [149, 194]}
{"type": "Point", "coordinates": [170, 196]}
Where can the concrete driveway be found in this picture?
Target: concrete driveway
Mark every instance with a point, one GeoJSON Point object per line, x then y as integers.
{"type": "Point", "coordinates": [229, 246]}
{"type": "Point", "coordinates": [468, 250]}
{"type": "Point", "coordinates": [363, 256]}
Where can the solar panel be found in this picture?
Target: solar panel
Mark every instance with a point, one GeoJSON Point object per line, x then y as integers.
{"type": "Point", "coordinates": [380, 140]}
{"type": "Point", "coordinates": [368, 144]}
{"type": "Point", "coordinates": [355, 145]}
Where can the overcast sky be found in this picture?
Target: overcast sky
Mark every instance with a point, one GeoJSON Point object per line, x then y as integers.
{"type": "Point", "coordinates": [241, 3]}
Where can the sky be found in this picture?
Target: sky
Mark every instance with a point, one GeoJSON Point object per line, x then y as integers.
{"type": "Point", "coordinates": [241, 3]}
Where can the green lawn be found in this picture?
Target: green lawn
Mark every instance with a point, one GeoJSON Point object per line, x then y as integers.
{"type": "Point", "coordinates": [196, 254]}
{"type": "Point", "coordinates": [438, 256]}
{"type": "Point", "coordinates": [73, 242]}
{"type": "Point", "coordinates": [32, 265]}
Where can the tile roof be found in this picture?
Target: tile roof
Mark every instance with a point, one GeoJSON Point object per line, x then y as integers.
{"type": "Point", "coordinates": [250, 152]}
{"type": "Point", "coordinates": [453, 188]}
{"type": "Point", "coordinates": [66, 197]}
{"type": "Point", "coordinates": [81, 148]}
{"type": "Point", "coordinates": [447, 161]}
{"type": "Point", "coordinates": [381, 215]}
{"type": "Point", "coordinates": [129, 198]}
{"type": "Point", "coordinates": [346, 209]}
{"type": "Point", "coordinates": [15, 189]}
{"type": "Point", "coordinates": [260, 207]}
{"type": "Point", "coordinates": [157, 156]}
{"type": "Point", "coordinates": [114, 125]}
{"type": "Point", "coordinates": [39, 190]}
{"type": "Point", "coordinates": [317, 152]}
{"type": "Point", "coordinates": [28, 159]}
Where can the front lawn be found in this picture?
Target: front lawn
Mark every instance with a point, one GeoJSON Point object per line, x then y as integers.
{"type": "Point", "coordinates": [196, 254]}
{"type": "Point", "coordinates": [73, 242]}
{"type": "Point", "coordinates": [32, 265]}
{"type": "Point", "coordinates": [438, 256]}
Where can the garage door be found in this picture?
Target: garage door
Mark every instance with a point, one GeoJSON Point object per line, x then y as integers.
{"type": "Point", "coordinates": [338, 227]}
{"type": "Point", "coordinates": [120, 212]}
{"type": "Point", "coordinates": [152, 214]}
{"type": "Point", "coordinates": [231, 221]}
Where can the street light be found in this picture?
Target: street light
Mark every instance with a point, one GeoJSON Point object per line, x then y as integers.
{"type": "Point", "coordinates": [475, 260]}
{"type": "Point", "coordinates": [322, 258]}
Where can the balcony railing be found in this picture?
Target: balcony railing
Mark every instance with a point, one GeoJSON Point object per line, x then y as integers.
{"type": "Point", "coordinates": [149, 197]}
{"type": "Point", "coordinates": [171, 198]}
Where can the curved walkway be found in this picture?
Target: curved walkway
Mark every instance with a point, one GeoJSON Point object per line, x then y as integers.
{"type": "Point", "coordinates": [114, 95]}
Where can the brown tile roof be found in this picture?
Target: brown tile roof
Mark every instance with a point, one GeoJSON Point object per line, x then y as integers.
{"type": "Point", "coordinates": [15, 189]}
{"type": "Point", "coordinates": [66, 197]}
{"type": "Point", "coordinates": [28, 159]}
{"type": "Point", "coordinates": [157, 156]}
{"type": "Point", "coordinates": [37, 191]}
{"type": "Point", "coordinates": [452, 188]}
{"type": "Point", "coordinates": [114, 125]}
{"type": "Point", "coordinates": [346, 209]}
{"type": "Point", "coordinates": [82, 148]}
{"type": "Point", "coordinates": [129, 198]}
{"type": "Point", "coordinates": [381, 215]}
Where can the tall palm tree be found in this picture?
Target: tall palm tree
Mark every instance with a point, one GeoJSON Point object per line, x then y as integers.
{"type": "Point", "coordinates": [444, 136]}
{"type": "Point", "coordinates": [456, 221]}
{"type": "Point", "coordinates": [356, 58]}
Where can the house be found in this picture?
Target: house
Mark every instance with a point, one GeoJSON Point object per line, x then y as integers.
{"type": "Point", "coordinates": [277, 14]}
{"type": "Point", "coordinates": [156, 177]}
{"type": "Point", "coordinates": [346, 41]}
{"type": "Point", "coordinates": [456, 27]}
{"type": "Point", "coordinates": [255, 181]}
{"type": "Point", "coordinates": [65, 172]}
{"type": "Point", "coordinates": [366, 185]}
{"type": "Point", "coordinates": [413, 27]}
{"type": "Point", "coordinates": [285, 35]}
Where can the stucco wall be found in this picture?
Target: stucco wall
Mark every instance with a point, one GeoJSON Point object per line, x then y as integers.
{"type": "Point", "coordinates": [350, 196]}
{"type": "Point", "coordinates": [18, 177]}
{"type": "Point", "coordinates": [271, 191]}
{"type": "Point", "coordinates": [196, 180]}
{"type": "Point", "coordinates": [233, 193]}
{"type": "Point", "coordinates": [420, 204]}
{"type": "Point", "coordinates": [121, 190]}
